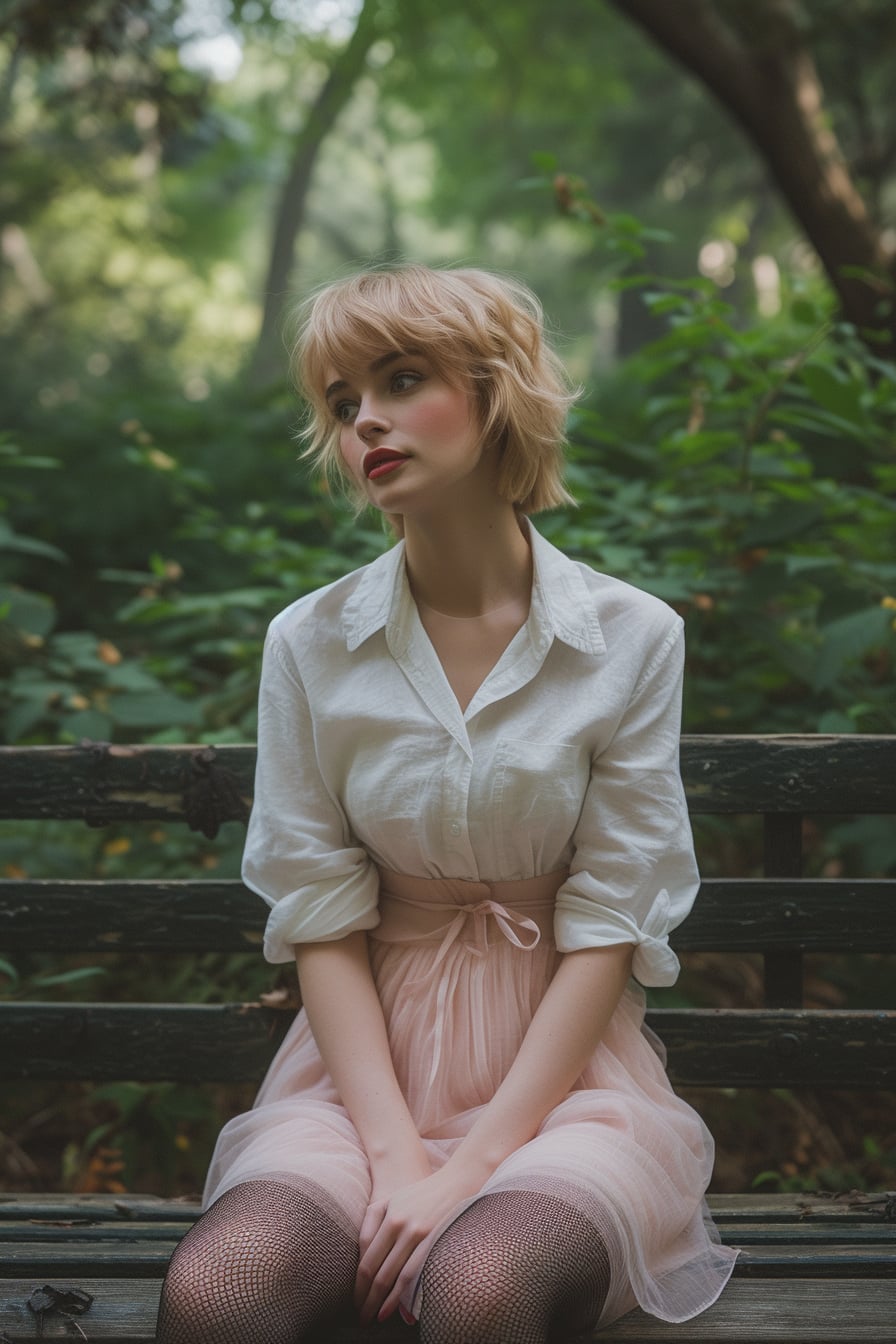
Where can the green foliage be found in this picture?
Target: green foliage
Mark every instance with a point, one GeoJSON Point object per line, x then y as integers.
{"type": "Point", "coordinates": [745, 473]}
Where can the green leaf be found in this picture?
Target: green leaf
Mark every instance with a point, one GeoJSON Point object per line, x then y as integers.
{"type": "Point", "coordinates": [781, 523]}
{"type": "Point", "coordinates": [808, 564]}
{"type": "Point", "coordinates": [32, 613]}
{"type": "Point", "coordinates": [7, 969]}
{"type": "Point", "coordinates": [69, 977]}
{"type": "Point", "coordinates": [835, 392]}
{"type": "Point", "coordinates": [155, 709]}
{"type": "Point", "coordinates": [846, 640]}
{"type": "Point", "coordinates": [835, 721]}
{"type": "Point", "coordinates": [11, 540]}
{"type": "Point", "coordinates": [805, 313]}
{"type": "Point", "coordinates": [87, 723]}
{"type": "Point", "coordinates": [21, 718]}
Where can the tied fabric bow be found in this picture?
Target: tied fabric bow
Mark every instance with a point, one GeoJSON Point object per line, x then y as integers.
{"type": "Point", "coordinates": [508, 921]}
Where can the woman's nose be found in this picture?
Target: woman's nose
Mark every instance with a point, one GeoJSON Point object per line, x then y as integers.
{"type": "Point", "coordinates": [370, 418]}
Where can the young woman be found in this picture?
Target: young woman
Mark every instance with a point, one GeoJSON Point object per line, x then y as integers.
{"type": "Point", "coordinates": [470, 828]}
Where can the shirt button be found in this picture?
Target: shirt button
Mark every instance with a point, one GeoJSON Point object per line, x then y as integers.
{"type": "Point", "coordinates": [454, 828]}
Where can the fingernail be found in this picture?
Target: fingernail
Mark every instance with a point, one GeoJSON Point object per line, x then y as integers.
{"type": "Point", "coordinates": [407, 1317]}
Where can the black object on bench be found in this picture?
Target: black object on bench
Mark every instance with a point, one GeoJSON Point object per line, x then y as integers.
{"type": "Point", "coordinates": [812, 1268]}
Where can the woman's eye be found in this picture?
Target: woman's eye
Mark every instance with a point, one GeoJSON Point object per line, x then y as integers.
{"type": "Point", "coordinates": [401, 382]}
{"type": "Point", "coordinates": [345, 411]}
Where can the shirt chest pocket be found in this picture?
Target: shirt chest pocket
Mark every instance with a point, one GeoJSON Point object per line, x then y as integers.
{"type": "Point", "coordinates": [539, 788]}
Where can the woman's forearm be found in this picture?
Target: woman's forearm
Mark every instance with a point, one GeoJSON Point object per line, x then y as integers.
{"type": "Point", "coordinates": [346, 1018]}
{"type": "Point", "coordinates": [565, 1031]}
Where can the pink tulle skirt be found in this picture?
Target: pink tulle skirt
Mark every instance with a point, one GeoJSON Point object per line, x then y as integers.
{"type": "Point", "coordinates": [460, 968]}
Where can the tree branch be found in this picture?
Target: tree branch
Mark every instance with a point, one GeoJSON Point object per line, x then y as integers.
{"type": "Point", "coordinates": [332, 98]}
{"type": "Point", "coordinates": [765, 76]}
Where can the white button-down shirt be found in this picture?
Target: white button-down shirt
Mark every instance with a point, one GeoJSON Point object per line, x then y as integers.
{"type": "Point", "coordinates": [566, 757]}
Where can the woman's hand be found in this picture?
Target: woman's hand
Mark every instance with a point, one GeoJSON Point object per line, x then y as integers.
{"type": "Point", "coordinates": [392, 1233]}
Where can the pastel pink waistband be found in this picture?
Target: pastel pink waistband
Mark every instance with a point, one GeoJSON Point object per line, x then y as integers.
{"type": "Point", "coordinates": [445, 910]}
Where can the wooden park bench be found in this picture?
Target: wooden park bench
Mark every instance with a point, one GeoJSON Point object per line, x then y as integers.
{"type": "Point", "coordinates": [813, 1268]}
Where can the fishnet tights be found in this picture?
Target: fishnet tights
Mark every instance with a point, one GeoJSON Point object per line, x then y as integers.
{"type": "Point", "coordinates": [266, 1263]}
{"type": "Point", "coordinates": [515, 1267]}
{"type": "Point", "coordinates": [263, 1264]}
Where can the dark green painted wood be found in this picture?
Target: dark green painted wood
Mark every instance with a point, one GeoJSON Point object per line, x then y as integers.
{"type": "Point", "coordinates": [779, 1311]}
{"type": "Point", "coordinates": [231, 1042]}
{"type": "Point", "coordinates": [117, 1260]}
{"type": "Point", "coordinates": [779, 1047]}
{"type": "Point", "coordinates": [722, 774]}
{"type": "Point", "coordinates": [791, 1214]}
{"type": "Point", "coordinates": [783, 967]}
{"type": "Point", "coordinates": [145, 1042]}
{"type": "Point", "coordinates": [53, 1234]}
{"type": "Point", "coordinates": [117, 783]}
{"type": "Point", "coordinates": [811, 774]}
{"type": "Point", "coordinates": [116, 1209]}
{"type": "Point", "coordinates": [200, 915]}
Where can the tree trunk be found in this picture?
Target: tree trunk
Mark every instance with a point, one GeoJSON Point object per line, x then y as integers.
{"type": "Point", "coordinates": [268, 359]}
{"type": "Point", "coordinates": [765, 76]}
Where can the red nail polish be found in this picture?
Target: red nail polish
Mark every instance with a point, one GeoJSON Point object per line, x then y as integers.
{"type": "Point", "coordinates": [407, 1317]}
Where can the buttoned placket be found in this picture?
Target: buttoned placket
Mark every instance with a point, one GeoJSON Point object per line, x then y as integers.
{"type": "Point", "coordinates": [391, 604]}
{"type": "Point", "coordinates": [414, 653]}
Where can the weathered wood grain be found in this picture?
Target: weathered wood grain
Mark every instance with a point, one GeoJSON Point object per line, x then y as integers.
{"type": "Point", "coordinates": [234, 1042]}
{"type": "Point", "coordinates": [200, 915]}
{"type": "Point", "coordinates": [143, 1042]}
{"type": "Point", "coordinates": [804, 774]}
{"type": "Point", "coordinates": [800, 1211]}
{"type": "Point", "coordinates": [121, 1259]}
{"type": "Point", "coordinates": [787, 774]}
{"type": "Point", "coordinates": [795, 1311]}
{"type": "Point", "coordinates": [101, 783]}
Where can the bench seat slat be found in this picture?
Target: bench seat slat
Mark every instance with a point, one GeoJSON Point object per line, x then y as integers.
{"type": "Point", "coordinates": [799, 1311]}
{"type": "Point", "coordinates": [56, 1234]}
{"type": "Point", "coordinates": [806, 1210]}
{"type": "Point", "coordinates": [54, 1238]}
{"type": "Point", "coordinates": [117, 1209]}
{"type": "Point", "coordinates": [122, 1259]}
{"type": "Point", "coordinates": [731, 915]}
{"type": "Point", "coordinates": [233, 1042]}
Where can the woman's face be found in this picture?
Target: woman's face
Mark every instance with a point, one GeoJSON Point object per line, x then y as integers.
{"type": "Point", "coordinates": [409, 439]}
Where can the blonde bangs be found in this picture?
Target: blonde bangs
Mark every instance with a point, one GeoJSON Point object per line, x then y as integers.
{"type": "Point", "coordinates": [479, 331]}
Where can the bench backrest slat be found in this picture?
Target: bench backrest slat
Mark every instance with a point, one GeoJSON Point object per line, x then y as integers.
{"type": "Point", "coordinates": [737, 915]}
{"type": "Point", "coordinates": [234, 1042]}
{"type": "Point", "coordinates": [812, 774]}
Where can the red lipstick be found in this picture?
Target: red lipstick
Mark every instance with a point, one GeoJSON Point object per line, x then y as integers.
{"type": "Point", "coordinates": [381, 461]}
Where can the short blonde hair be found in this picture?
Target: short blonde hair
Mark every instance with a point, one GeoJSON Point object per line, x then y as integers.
{"type": "Point", "coordinates": [480, 331]}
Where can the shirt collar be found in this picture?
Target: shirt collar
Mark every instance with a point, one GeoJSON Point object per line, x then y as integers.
{"type": "Point", "coordinates": [561, 602]}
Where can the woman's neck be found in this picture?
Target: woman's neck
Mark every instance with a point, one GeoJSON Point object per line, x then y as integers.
{"type": "Point", "coordinates": [471, 564]}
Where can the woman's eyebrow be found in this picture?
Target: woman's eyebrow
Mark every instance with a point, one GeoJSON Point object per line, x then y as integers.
{"type": "Point", "coordinates": [373, 367]}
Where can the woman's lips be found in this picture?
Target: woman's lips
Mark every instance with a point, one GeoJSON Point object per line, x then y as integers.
{"type": "Point", "coordinates": [381, 462]}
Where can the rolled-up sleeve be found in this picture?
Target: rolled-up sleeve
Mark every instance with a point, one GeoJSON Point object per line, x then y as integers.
{"type": "Point", "coordinates": [633, 876]}
{"type": "Point", "coordinates": [300, 855]}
